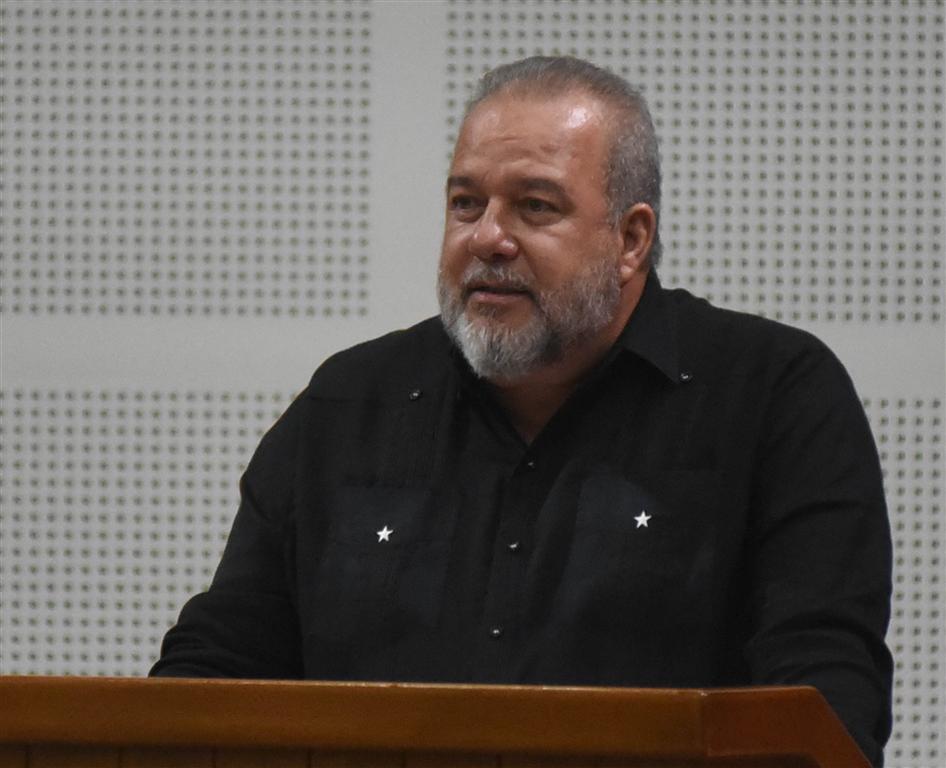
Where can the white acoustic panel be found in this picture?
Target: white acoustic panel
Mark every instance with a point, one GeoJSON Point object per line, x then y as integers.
{"type": "Point", "coordinates": [802, 142]}
{"type": "Point", "coordinates": [909, 434]}
{"type": "Point", "coordinates": [168, 157]}
{"type": "Point", "coordinates": [116, 506]}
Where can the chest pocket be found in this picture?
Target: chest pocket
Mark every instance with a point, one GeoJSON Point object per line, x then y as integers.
{"type": "Point", "coordinates": [641, 549]}
{"type": "Point", "coordinates": [383, 563]}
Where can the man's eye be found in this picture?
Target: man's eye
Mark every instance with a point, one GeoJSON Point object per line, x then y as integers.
{"type": "Point", "coordinates": [534, 205]}
{"type": "Point", "coordinates": [462, 202]}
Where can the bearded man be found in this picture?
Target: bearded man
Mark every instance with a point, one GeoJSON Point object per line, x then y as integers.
{"type": "Point", "coordinates": [573, 475]}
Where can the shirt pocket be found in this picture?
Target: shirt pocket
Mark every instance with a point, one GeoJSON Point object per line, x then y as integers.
{"type": "Point", "coordinates": [641, 549]}
{"type": "Point", "coordinates": [383, 563]}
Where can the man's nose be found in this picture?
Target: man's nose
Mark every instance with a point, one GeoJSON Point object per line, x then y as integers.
{"type": "Point", "coordinates": [491, 239]}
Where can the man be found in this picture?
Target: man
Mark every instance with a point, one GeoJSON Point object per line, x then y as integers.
{"type": "Point", "coordinates": [573, 475]}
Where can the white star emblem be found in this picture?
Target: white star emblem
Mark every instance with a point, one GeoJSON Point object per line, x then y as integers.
{"type": "Point", "coordinates": [642, 519]}
{"type": "Point", "coordinates": [384, 534]}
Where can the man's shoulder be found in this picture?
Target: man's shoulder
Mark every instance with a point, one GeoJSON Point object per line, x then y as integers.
{"type": "Point", "coordinates": [727, 336]}
{"type": "Point", "coordinates": [410, 357]}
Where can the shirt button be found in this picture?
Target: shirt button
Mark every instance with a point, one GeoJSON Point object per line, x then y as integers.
{"type": "Point", "coordinates": [686, 376]}
{"type": "Point", "coordinates": [496, 633]}
{"type": "Point", "coordinates": [530, 464]}
{"type": "Point", "coordinates": [513, 546]}
{"type": "Point", "coordinates": [415, 394]}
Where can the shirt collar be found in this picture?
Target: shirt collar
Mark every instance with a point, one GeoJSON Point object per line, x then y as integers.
{"type": "Point", "coordinates": [651, 331]}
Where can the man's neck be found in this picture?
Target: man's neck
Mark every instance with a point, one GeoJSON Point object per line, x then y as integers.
{"type": "Point", "coordinates": [530, 401]}
{"type": "Point", "coordinates": [531, 406]}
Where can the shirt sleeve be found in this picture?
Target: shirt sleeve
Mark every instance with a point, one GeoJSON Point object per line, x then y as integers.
{"type": "Point", "coordinates": [246, 624]}
{"type": "Point", "coordinates": [820, 549]}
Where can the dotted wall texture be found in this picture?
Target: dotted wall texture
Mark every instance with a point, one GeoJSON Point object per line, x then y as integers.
{"type": "Point", "coordinates": [180, 158]}
{"type": "Point", "coordinates": [116, 507]}
{"type": "Point", "coordinates": [909, 434]}
{"type": "Point", "coordinates": [802, 142]}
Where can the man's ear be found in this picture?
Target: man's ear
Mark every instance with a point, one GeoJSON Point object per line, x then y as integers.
{"type": "Point", "coordinates": [638, 229]}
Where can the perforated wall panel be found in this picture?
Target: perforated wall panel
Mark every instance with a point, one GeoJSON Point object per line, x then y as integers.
{"type": "Point", "coordinates": [116, 507]}
{"type": "Point", "coordinates": [802, 141]}
{"type": "Point", "coordinates": [179, 158]}
{"type": "Point", "coordinates": [909, 434]}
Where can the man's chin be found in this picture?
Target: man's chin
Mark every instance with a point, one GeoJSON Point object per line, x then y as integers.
{"type": "Point", "coordinates": [508, 316]}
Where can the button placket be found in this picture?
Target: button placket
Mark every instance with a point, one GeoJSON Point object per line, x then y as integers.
{"type": "Point", "coordinates": [501, 609]}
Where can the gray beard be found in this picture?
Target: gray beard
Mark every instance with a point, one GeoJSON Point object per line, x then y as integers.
{"type": "Point", "coordinates": [561, 320]}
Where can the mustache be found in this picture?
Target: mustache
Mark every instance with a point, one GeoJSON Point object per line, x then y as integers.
{"type": "Point", "coordinates": [501, 278]}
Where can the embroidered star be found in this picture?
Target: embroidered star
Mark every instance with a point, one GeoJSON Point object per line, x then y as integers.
{"type": "Point", "coordinates": [384, 534]}
{"type": "Point", "coordinates": [642, 518]}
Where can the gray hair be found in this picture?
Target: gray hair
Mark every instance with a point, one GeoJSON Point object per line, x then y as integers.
{"type": "Point", "coordinates": [633, 172]}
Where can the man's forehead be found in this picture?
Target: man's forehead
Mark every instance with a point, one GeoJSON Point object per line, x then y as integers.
{"type": "Point", "coordinates": [580, 115]}
{"type": "Point", "coordinates": [575, 108]}
{"type": "Point", "coordinates": [546, 123]}
{"type": "Point", "coordinates": [522, 183]}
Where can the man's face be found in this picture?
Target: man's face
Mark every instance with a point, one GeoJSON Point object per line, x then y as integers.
{"type": "Point", "coordinates": [529, 266]}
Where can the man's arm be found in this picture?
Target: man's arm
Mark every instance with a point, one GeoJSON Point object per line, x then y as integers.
{"type": "Point", "coordinates": [246, 624]}
{"type": "Point", "coordinates": [820, 550]}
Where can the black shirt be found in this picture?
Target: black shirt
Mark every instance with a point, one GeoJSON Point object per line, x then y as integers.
{"type": "Point", "coordinates": [705, 510]}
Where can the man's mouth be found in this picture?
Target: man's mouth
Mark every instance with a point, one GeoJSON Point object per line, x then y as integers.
{"type": "Point", "coordinates": [484, 289]}
{"type": "Point", "coordinates": [491, 298]}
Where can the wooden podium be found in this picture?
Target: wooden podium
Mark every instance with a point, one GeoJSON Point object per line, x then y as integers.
{"type": "Point", "coordinates": [60, 722]}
